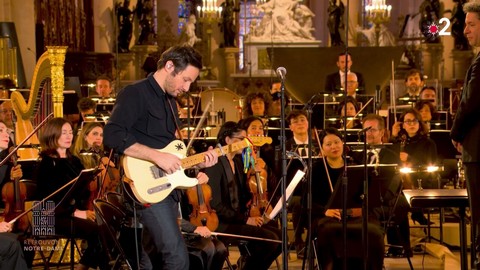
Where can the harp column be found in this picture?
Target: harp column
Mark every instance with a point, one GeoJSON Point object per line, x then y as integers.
{"type": "Point", "coordinates": [56, 55]}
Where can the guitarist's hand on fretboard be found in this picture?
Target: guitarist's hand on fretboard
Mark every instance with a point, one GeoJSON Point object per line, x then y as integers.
{"type": "Point", "coordinates": [211, 158]}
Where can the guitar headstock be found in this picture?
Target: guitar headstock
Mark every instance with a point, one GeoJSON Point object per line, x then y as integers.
{"type": "Point", "coordinates": [259, 140]}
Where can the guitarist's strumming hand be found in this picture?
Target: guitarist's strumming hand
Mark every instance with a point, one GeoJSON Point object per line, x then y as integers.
{"type": "Point", "coordinates": [211, 158]}
{"type": "Point", "coordinates": [167, 162]}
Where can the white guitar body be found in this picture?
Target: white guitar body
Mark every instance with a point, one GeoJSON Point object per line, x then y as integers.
{"type": "Point", "coordinates": [149, 183]}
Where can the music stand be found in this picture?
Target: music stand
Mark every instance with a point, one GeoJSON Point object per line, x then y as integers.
{"type": "Point", "coordinates": [354, 190]}
{"type": "Point", "coordinates": [78, 184]}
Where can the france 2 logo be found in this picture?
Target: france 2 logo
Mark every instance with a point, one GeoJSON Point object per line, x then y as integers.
{"type": "Point", "coordinates": [432, 30]}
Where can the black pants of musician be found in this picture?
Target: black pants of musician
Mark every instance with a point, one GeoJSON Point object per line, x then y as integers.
{"type": "Point", "coordinates": [472, 173]}
{"type": "Point", "coordinates": [11, 253]}
{"type": "Point", "coordinates": [161, 237]}
{"type": "Point", "coordinates": [330, 243]}
{"type": "Point", "coordinates": [261, 253]}
{"type": "Point", "coordinates": [206, 253]}
{"type": "Point", "coordinates": [94, 255]}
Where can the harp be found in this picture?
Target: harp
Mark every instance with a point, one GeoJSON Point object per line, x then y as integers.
{"type": "Point", "coordinates": [46, 96]}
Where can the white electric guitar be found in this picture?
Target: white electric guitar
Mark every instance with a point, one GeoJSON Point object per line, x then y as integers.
{"type": "Point", "coordinates": [150, 184]}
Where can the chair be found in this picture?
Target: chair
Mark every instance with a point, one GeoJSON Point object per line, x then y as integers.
{"type": "Point", "coordinates": [31, 187]}
{"type": "Point", "coordinates": [110, 221]}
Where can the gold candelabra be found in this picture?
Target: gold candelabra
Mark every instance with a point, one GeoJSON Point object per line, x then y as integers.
{"type": "Point", "coordinates": [209, 13]}
{"type": "Point", "coordinates": [378, 13]}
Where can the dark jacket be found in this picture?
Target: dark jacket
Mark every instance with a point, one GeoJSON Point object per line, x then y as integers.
{"type": "Point", "coordinates": [333, 85]}
{"type": "Point", "coordinates": [466, 126]}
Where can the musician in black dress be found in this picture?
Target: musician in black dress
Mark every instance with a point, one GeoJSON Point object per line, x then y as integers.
{"type": "Point", "coordinates": [231, 197]}
{"type": "Point", "coordinates": [327, 221]}
{"type": "Point", "coordinates": [417, 151]}
{"type": "Point", "coordinates": [57, 167]}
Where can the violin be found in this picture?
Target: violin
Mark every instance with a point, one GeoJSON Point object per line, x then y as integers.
{"type": "Point", "coordinates": [257, 182]}
{"type": "Point", "coordinates": [14, 194]}
{"type": "Point", "coordinates": [107, 180]}
{"type": "Point", "coordinates": [202, 214]}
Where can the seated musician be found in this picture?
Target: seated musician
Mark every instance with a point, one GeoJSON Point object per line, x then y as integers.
{"type": "Point", "coordinates": [105, 96]}
{"type": "Point", "coordinates": [86, 106]}
{"type": "Point", "coordinates": [417, 150]}
{"type": "Point", "coordinates": [298, 124]}
{"type": "Point", "coordinates": [11, 252]}
{"type": "Point", "coordinates": [276, 105]}
{"type": "Point", "coordinates": [256, 104]}
{"type": "Point", "coordinates": [427, 112]}
{"type": "Point", "coordinates": [413, 84]}
{"type": "Point", "coordinates": [386, 188]}
{"type": "Point", "coordinates": [103, 87]}
{"type": "Point", "coordinates": [230, 200]}
{"type": "Point", "coordinates": [429, 93]}
{"type": "Point", "coordinates": [57, 167]}
{"type": "Point", "coordinates": [12, 255]}
{"type": "Point", "coordinates": [6, 114]}
{"type": "Point", "coordinates": [327, 221]}
{"type": "Point", "coordinates": [7, 171]}
{"type": "Point", "coordinates": [254, 127]}
{"type": "Point", "coordinates": [352, 109]}
{"type": "Point", "coordinates": [212, 252]}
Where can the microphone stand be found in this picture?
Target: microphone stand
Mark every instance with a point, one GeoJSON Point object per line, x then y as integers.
{"type": "Point", "coordinates": [284, 176]}
{"type": "Point", "coordinates": [308, 249]}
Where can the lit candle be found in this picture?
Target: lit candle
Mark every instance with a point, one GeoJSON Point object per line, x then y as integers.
{"type": "Point", "coordinates": [199, 11]}
{"type": "Point", "coordinates": [389, 8]}
{"type": "Point", "coordinates": [220, 12]}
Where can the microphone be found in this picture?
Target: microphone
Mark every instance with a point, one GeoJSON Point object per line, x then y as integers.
{"type": "Point", "coordinates": [281, 72]}
{"type": "Point", "coordinates": [364, 130]}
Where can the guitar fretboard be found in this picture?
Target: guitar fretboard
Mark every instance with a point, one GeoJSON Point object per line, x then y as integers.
{"type": "Point", "coordinates": [191, 161]}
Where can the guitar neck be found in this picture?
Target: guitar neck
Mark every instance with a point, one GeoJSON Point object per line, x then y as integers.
{"type": "Point", "coordinates": [191, 161]}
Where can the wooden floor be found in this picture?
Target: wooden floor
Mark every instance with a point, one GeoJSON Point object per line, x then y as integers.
{"type": "Point", "coordinates": [419, 261]}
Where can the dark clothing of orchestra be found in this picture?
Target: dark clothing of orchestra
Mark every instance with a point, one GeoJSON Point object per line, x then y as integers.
{"type": "Point", "coordinates": [144, 113]}
{"type": "Point", "coordinates": [231, 207]}
{"type": "Point", "coordinates": [205, 253]}
{"type": "Point", "coordinates": [421, 150]}
{"type": "Point", "coordinates": [333, 84]}
{"type": "Point", "coordinates": [466, 130]}
{"type": "Point", "coordinates": [52, 173]}
{"type": "Point", "coordinates": [11, 253]}
{"type": "Point", "coordinates": [328, 230]}
{"type": "Point", "coordinates": [386, 201]}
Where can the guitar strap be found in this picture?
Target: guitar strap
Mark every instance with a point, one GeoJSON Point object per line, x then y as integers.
{"type": "Point", "coordinates": [174, 119]}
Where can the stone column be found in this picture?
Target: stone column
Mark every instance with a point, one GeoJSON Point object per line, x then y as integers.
{"type": "Point", "coordinates": [230, 56]}
{"type": "Point", "coordinates": [141, 53]}
{"type": "Point", "coordinates": [432, 57]}
{"type": "Point", "coordinates": [461, 62]}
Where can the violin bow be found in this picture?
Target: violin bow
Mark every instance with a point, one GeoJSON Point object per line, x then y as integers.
{"type": "Point", "coordinates": [323, 158]}
{"type": "Point", "coordinates": [359, 111]}
{"type": "Point", "coordinates": [200, 123]}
